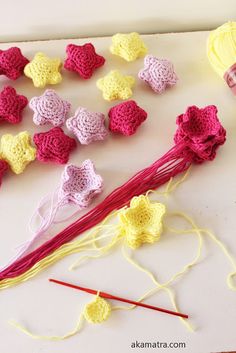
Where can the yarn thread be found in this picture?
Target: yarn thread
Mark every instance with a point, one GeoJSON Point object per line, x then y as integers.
{"type": "Point", "coordinates": [197, 139]}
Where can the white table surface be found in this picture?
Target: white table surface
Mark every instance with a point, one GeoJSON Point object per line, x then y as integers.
{"type": "Point", "coordinates": [208, 195]}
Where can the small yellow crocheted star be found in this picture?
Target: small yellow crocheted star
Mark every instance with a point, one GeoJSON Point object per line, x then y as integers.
{"type": "Point", "coordinates": [128, 46]}
{"type": "Point", "coordinates": [43, 70]}
{"type": "Point", "coordinates": [142, 221]}
{"type": "Point", "coordinates": [116, 86]}
{"type": "Point", "coordinates": [97, 311]}
{"type": "Point", "coordinates": [17, 151]}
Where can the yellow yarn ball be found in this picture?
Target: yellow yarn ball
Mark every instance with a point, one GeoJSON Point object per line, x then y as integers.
{"type": "Point", "coordinates": [97, 311]}
{"type": "Point", "coordinates": [221, 50]}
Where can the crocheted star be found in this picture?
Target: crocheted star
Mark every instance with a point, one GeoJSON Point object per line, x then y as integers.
{"type": "Point", "coordinates": [3, 169]}
{"type": "Point", "coordinates": [83, 59]}
{"type": "Point", "coordinates": [158, 73]}
{"type": "Point", "coordinates": [17, 151]}
{"type": "Point", "coordinates": [128, 46]}
{"type": "Point", "coordinates": [49, 109]}
{"type": "Point", "coordinates": [97, 311]}
{"type": "Point", "coordinates": [116, 86]}
{"type": "Point", "coordinates": [87, 126]}
{"type": "Point", "coordinates": [202, 131]}
{"type": "Point", "coordinates": [126, 117]}
{"type": "Point", "coordinates": [54, 146]}
{"type": "Point", "coordinates": [142, 221]}
{"type": "Point", "coordinates": [12, 63]}
{"type": "Point", "coordinates": [11, 105]}
{"type": "Point", "coordinates": [43, 70]}
{"type": "Point", "coordinates": [79, 185]}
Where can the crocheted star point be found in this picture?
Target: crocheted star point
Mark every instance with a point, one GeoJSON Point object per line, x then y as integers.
{"type": "Point", "coordinates": [43, 70]}
{"type": "Point", "coordinates": [116, 86]}
{"type": "Point", "coordinates": [54, 146]}
{"type": "Point", "coordinates": [17, 151]}
{"type": "Point", "coordinates": [79, 185]}
{"type": "Point", "coordinates": [202, 131]}
{"type": "Point", "coordinates": [49, 109]}
{"type": "Point", "coordinates": [125, 118]}
{"type": "Point", "coordinates": [158, 73]}
{"type": "Point", "coordinates": [128, 46]}
{"type": "Point", "coordinates": [83, 59]}
{"type": "Point", "coordinates": [87, 126]}
{"type": "Point", "coordinates": [142, 221]}
{"type": "Point", "coordinates": [12, 63]}
{"type": "Point", "coordinates": [97, 311]}
{"type": "Point", "coordinates": [11, 105]}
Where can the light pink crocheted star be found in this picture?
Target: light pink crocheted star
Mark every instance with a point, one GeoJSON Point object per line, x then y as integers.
{"type": "Point", "coordinates": [87, 126]}
{"type": "Point", "coordinates": [79, 185]}
{"type": "Point", "coordinates": [49, 109]}
{"type": "Point", "coordinates": [158, 73]}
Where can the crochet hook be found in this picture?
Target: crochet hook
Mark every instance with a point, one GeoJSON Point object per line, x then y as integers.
{"type": "Point", "coordinates": [113, 297]}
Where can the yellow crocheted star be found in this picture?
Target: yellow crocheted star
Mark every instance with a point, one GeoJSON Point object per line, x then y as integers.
{"type": "Point", "coordinates": [43, 70]}
{"type": "Point", "coordinates": [116, 86]}
{"type": "Point", "coordinates": [17, 151]}
{"type": "Point", "coordinates": [129, 46]}
{"type": "Point", "coordinates": [97, 311]}
{"type": "Point", "coordinates": [142, 221]}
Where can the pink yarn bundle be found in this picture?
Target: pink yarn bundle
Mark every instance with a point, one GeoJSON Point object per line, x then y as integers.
{"type": "Point", "coordinates": [198, 136]}
{"type": "Point", "coordinates": [3, 169]}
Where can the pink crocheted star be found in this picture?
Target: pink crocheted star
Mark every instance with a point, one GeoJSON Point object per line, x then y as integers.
{"type": "Point", "coordinates": [158, 73]}
{"type": "Point", "coordinates": [12, 63]}
{"type": "Point", "coordinates": [83, 59]}
{"type": "Point", "coordinates": [87, 126]}
{"type": "Point", "coordinates": [49, 109]}
{"type": "Point", "coordinates": [11, 105]}
{"type": "Point", "coordinates": [54, 146]}
{"type": "Point", "coordinates": [202, 131]}
{"type": "Point", "coordinates": [79, 185]}
{"type": "Point", "coordinates": [126, 117]}
{"type": "Point", "coordinates": [3, 169]}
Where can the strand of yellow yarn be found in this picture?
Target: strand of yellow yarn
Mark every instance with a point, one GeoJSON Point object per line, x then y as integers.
{"type": "Point", "coordinates": [96, 311]}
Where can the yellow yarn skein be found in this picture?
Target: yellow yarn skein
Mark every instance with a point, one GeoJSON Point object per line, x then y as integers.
{"type": "Point", "coordinates": [221, 52]}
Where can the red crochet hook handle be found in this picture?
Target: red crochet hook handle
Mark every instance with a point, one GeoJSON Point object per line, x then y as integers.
{"type": "Point", "coordinates": [114, 297]}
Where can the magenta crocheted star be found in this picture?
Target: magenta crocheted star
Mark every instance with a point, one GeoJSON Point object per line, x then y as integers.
{"type": "Point", "coordinates": [3, 169]}
{"type": "Point", "coordinates": [158, 73]}
{"type": "Point", "coordinates": [202, 131]}
{"type": "Point", "coordinates": [126, 117]}
{"type": "Point", "coordinates": [87, 126]}
{"type": "Point", "coordinates": [49, 109]}
{"type": "Point", "coordinates": [79, 185]}
{"type": "Point", "coordinates": [12, 63]}
{"type": "Point", "coordinates": [83, 59]}
{"type": "Point", "coordinates": [54, 146]}
{"type": "Point", "coordinates": [11, 105]}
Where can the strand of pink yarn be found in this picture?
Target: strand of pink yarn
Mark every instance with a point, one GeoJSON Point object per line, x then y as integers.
{"type": "Point", "coordinates": [149, 178]}
{"type": "Point", "coordinates": [198, 136]}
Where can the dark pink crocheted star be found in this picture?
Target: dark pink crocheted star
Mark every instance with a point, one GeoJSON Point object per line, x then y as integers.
{"type": "Point", "coordinates": [126, 117]}
{"type": "Point", "coordinates": [54, 146]}
{"type": "Point", "coordinates": [201, 130]}
{"type": "Point", "coordinates": [11, 105]}
{"type": "Point", "coordinates": [3, 169]}
{"type": "Point", "coordinates": [12, 63]}
{"type": "Point", "coordinates": [83, 59]}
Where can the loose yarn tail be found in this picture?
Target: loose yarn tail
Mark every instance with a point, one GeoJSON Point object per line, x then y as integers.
{"type": "Point", "coordinates": [168, 166]}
